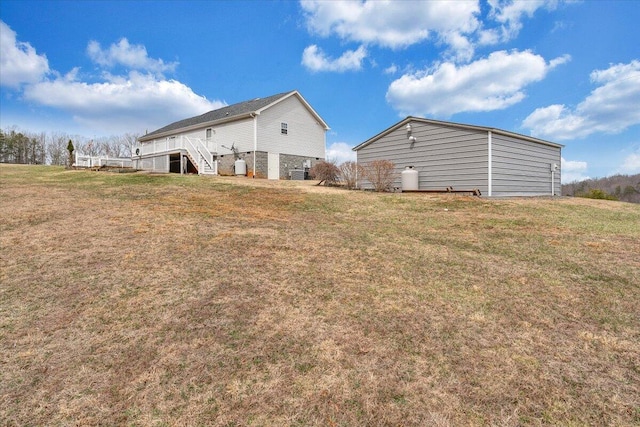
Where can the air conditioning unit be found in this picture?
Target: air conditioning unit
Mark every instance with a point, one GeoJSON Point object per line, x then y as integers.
{"type": "Point", "coordinates": [297, 175]}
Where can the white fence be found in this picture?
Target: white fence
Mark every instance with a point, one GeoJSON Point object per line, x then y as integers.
{"type": "Point", "coordinates": [83, 161]}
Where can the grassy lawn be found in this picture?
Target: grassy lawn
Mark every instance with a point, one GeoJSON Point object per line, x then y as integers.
{"type": "Point", "coordinates": [137, 299]}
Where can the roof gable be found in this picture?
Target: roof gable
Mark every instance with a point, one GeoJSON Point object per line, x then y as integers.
{"type": "Point", "coordinates": [231, 112]}
{"type": "Point", "coordinates": [452, 124]}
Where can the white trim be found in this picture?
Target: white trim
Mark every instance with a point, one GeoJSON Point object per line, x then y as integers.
{"type": "Point", "coordinates": [197, 126]}
{"type": "Point", "coordinates": [454, 125]}
{"type": "Point", "coordinates": [304, 102]}
{"type": "Point", "coordinates": [255, 143]}
{"type": "Point", "coordinates": [489, 165]}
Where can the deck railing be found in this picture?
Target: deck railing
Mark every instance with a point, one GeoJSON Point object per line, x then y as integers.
{"type": "Point", "coordinates": [84, 161]}
{"type": "Point", "coordinates": [200, 152]}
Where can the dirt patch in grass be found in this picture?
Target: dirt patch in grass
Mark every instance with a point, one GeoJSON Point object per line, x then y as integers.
{"type": "Point", "coordinates": [162, 300]}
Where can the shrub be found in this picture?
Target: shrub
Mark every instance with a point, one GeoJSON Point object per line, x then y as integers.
{"type": "Point", "coordinates": [380, 173]}
{"type": "Point", "coordinates": [349, 174]}
{"type": "Point", "coordinates": [70, 149]}
{"type": "Point", "coordinates": [324, 171]}
{"type": "Point", "coordinates": [596, 193]}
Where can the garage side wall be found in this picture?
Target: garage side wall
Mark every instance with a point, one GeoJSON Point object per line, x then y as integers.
{"type": "Point", "coordinates": [523, 168]}
{"type": "Point", "coordinates": [443, 156]}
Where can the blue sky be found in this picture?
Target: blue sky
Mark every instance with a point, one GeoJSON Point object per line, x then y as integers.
{"type": "Point", "coordinates": [565, 71]}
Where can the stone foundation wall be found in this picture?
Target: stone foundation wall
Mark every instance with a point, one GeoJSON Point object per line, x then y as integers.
{"type": "Point", "coordinates": [287, 163]}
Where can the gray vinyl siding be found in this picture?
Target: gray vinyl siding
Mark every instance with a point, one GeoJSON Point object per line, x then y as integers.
{"type": "Point", "coordinates": [523, 168]}
{"type": "Point", "coordinates": [444, 156]}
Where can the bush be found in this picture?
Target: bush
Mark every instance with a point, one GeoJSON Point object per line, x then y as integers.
{"type": "Point", "coordinates": [595, 193]}
{"type": "Point", "coordinates": [380, 173]}
{"type": "Point", "coordinates": [349, 174]}
{"type": "Point", "coordinates": [70, 149]}
{"type": "Point", "coordinates": [326, 172]}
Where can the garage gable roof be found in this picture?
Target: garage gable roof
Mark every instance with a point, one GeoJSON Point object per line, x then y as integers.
{"type": "Point", "coordinates": [229, 113]}
{"type": "Point", "coordinates": [455, 125]}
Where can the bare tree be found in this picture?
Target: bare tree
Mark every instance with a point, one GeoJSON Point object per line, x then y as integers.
{"type": "Point", "coordinates": [38, 149]}
{"type": "Point", "coordinates": [349, 173]}
{"type": "Point", "coordinates": [625, 188]}
{"type": "Point", "coordinates": [380, 173]}
{"type": "Point", "coordinates": [326, 172]}
{"type": "Point", "coordinates": [130, 140]}
{"type": "Point", "coordinates": [51, 148]}
{"type": "Point", "coordinates": [56, 149]}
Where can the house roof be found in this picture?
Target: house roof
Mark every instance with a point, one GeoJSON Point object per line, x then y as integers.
{"type": "Point", "coordinates": [230, 113]}
{"type": "Point", "coordinates": [456, 125]}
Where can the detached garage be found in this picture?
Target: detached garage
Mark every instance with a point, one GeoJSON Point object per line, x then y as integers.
{"type": "Point", "coordinates": [465, 157]}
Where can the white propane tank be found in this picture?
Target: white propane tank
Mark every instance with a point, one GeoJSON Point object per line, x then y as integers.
{"type": "Point", "coordinates": [409, 179]}
{"type": "Point", "coordinates": [241, 167]}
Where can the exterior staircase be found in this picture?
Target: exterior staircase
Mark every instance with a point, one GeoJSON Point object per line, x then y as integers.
{"type": "Point", "coordinates": [197, 151]}
{"type": "Point", "coordinates": [200, 156]}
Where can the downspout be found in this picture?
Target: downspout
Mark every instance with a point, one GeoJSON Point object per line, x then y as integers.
{"type": "Point", "coordinates": [255, 142]}
{"type": "Point", "coordinates": [490, 166]}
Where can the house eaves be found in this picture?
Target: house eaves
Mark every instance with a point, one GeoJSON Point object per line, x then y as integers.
{"type": "Point", "coordinates": [226, 114]}
{"type": "Point", "coordinates": [304, 102]}
{"type": "Point", "coordinates": [230, 113]}
{"type": "Point", "coordinates": [454, 125]}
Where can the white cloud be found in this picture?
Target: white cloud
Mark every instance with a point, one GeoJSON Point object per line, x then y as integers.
{"type": "Point", "coordinates": [492, 83]}
{"type": "Point", "coordinates": [121, 103]}
{"type": "Point", "coordinates": [392, 24]}
{"type": "Point", "coordinates": [399, 24]}
{"type": "Point", "coordinates": [392, 69]}
{"type": "Point", "coordinates": [19, 62]}
{"type": "Point", "coordinates": [631, 164]}
{"type": "Point", "coordinates": [340, 152]}
{"type": "Point", "coordinates": [509, 15]}
{"type": "Point", "coordinates": [316, 60]}
{"type": "Point", "coordinates": [611, 108]}
{"type": "Point", "coordinates": [573, 170]}
{"type": "Point", "coordinates": [133, 57]}
{"type": "Point", "coordinates": [139, 99]}
{"type": "Point", "coordinates": [388, 23]}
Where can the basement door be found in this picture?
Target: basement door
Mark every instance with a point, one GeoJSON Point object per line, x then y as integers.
{"type": "Point", "coordinates": [273, 165]}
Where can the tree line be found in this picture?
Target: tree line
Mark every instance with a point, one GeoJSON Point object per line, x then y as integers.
{"type": "Point", "coordinates": [625, 188]}
{"type": "Point", "coordinates": [51, 148]}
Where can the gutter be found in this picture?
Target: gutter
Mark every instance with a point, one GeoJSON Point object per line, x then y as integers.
{"type": "Point", "coordinates": [151, 137]}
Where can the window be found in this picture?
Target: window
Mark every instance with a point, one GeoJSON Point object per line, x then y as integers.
{"type": "Point", "coordinates": [209, 133]}
{"type": "Point", "coordinates": [283, 128]}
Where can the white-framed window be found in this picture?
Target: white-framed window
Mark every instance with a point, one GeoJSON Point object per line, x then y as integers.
{"type": "Point", "coordinates": [209, 133]}
{"type": "Point", "coordinates": [284, 130]}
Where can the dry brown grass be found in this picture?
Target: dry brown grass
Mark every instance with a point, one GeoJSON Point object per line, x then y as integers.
{"type": "Point", "coordinates": [168, 300]}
